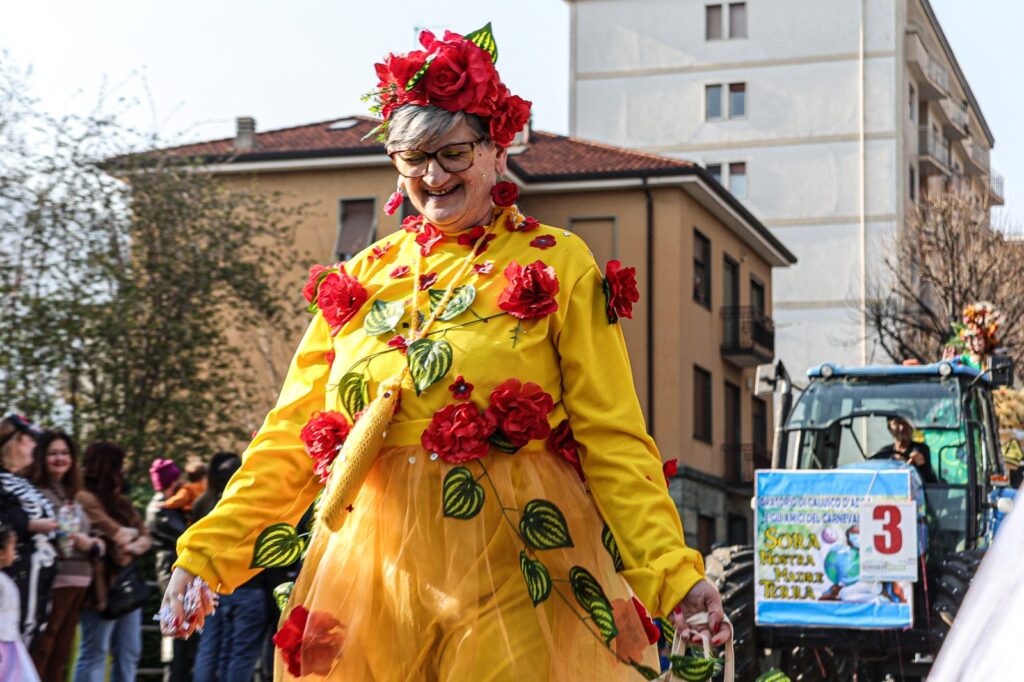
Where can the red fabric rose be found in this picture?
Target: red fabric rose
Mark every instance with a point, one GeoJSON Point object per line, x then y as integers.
{"type": "Point", "coordinates": [315, 273]}
{"type": "Point", "coordinates": [461, 389]}
{"type": "Point", "coordinates": [458, 433]}
{"type": "Point", "coordinates": [394, 74]}
{"type": "Point", "coordinates": [545, 241]}
{"type": "Point", "coordinates": [340, 297]}
{"type": "Point", "coordinates": [323, 435]}
{"type": "Point", "coordinates": [509, 117]}
{"type": "Point", "coordinates": [620, 290]}
{"type": "Point", "coordinates": [484, 268]}
{"type": "Point", "coordinates": [504, 193]}
{"type": "Point", "coordinates": [670, 469]}
{"type": "Point", "coordinates": [329, 357]}
{"type": "Point", "coordinates": [399, 272]}
{"type": "Point", "coordinates": [469, 237]}
{"type": "Point", "coordinates": [530, 292]}
{"type": "Point", "coordinates": [529, 224]}
{"type": "Point", "coordinates": [427, 280]}
{"type": "Point", "coordinates": [562, 443]}
{"type": "Point", "coordinates": [412, 223]}
{"type": "Point", "coordinates": [428, 238]}
{"type": "Point", "coordinates": [289, 640]}
{"type": "Point", "coordinates": [461, 77]}
{"type": "Point", "coordinates": [653, 633]}
{"type": "Point", "coordinates": [399, 342]}
{"type": "Point", "coordinates": [521, 411]}
{"type": "Point", "coordinates": [321, 643]}
{"type": "Point", "coordinates": [379, 251]}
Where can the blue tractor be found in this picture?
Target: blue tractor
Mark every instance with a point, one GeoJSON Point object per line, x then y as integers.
{"type": "Point", "coordinates": [842, 420]}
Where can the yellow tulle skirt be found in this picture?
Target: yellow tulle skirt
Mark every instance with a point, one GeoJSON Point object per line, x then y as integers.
{"type": "Point", "coordinates": [405, 592]}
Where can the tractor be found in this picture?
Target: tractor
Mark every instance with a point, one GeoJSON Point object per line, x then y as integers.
{"type": "Point", "coordinates": [840, 421]}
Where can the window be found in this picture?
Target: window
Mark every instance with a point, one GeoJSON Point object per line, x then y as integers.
{"type": "Point", "coordinates": [738, 530]}
{"type": "Point", "coordinates": [733, 425]}
{"type": "Point", "coordinates": [738, 20]}
{"type": "Point", "coordinates": [706, 536]}
{"type": "Point", "coordinates": [912, 102]}
{"type": "Point", "coordinates": [738, 179]}
{"type": "Point", "coordinates": [713, 102]}
{"type": "Point", "coordinates": [757, 296]}
{"type": "Point", "coordinates": [713, 22]}
{"type": "Point", "coordinates": [356, 227]}
{"type": "Point", "coordinates": [701, 404]}
{"type": "Point", "coordinates": [737, 100]}
{"type": "Point", "coordinates": [759, 424]}
{"type": "Point", "coordinates": [701, 269]}
{"type": "Point", "coordinates": [912, 188]}
{"type": "Point", "coordinates": [716, 172]}
{"type": "Point", "coordinates": [731, 299]}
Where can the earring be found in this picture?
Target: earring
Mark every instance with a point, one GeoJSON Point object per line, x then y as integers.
{"type": "Point", "coordinates": [395, 200]}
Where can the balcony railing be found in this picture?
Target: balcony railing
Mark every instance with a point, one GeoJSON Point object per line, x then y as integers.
{"type": "Point", "coordinates": [995, 187]}
{"type": "Point", "coordinates": [957, 182]}
{"type": "Point", "coordinates": [957, 112]}
{"type": "Point", "coordinates": [934, 148]}
{"type": "Point", "coordinates": [749, 336]}
{"type": "Point", "coordinates": [937, 74]}
{"type": "Point", "coordinates": [743, 459]}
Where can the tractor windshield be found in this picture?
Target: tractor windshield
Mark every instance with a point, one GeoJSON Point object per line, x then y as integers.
{"type": "Point", "coordinates": [929, 403]}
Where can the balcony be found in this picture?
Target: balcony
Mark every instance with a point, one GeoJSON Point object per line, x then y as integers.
{"type": "Point", "coordinates": [957, 182]}
{"type": "Point", "coordinates": [934, 153]}
{"type": "Point", "coordinates": [977, 156]}
{"type": "Point", "coordinates": [995, 188]}
{"type": "Point", "coordinates": [930, 74]}
{"type": "Point", "coordinates": [955, 120]}
{"type": "Point", "coordinates": [743, 459]}
{"type": "Point", "coordinates": [749, 336]}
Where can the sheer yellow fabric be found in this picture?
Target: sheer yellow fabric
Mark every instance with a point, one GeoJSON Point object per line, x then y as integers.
{"type": "Point", "coordinates": [422, 596]}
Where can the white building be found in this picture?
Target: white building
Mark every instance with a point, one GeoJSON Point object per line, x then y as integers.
{"type": "Point", "coordinates": [829, 118]}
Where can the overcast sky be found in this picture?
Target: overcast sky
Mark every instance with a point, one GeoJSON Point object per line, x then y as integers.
{"type": "Point", "coordinates": [206, 62]}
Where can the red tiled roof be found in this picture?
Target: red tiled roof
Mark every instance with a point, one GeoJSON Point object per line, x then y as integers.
{"type": "Point", "coordinates": [547, 156]}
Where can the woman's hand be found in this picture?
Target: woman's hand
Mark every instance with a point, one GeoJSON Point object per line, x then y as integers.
{"type": "Point", "coordinates": [703, 597]}
{"type": "Point", "coordinates": [83, 543]}
{"type": "Point", "coordinates": [173, 621]}
{"type": "Point", "coordinates": [125, 535]}
{"type": "Point", "coordinates": [43, 525]}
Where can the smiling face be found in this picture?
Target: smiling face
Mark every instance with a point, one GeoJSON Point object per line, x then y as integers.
{"type": "Point", "coordinates": [58, 459]}
{"type": "Point", "coordinates": [17, 453]}
{"type": "Point", "coordinates": [455, 201]}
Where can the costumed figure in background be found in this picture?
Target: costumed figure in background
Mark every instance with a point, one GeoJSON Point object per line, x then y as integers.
{"type": "Point", "coordinates": [976, 336]}
{"type": "Point", "coordinates": [463, 398]}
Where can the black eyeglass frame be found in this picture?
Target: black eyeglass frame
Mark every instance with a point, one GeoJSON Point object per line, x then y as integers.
{"type": "Point", "coordinates": [435, 155]}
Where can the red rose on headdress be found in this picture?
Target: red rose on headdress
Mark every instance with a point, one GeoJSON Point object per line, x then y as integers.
{"type": "Point", "coordinates": [458, 433]}
{"type": "Point", "coordinates": [562, 443]}
{"type": "Point", "coordinates": [428, 238]}
{"type": "Point", "coordinates": [530, 292]}
{"type": "Point", "coordinates": [521, 411]}
{"type": "Point", "coordinates": [504, 193]}
{"type": "Point", "coordinates": [509, 117]}
{"type": "Point", "coordinates": [340, 296]}
{"type": "Point", "coordinates": [394, 75]}
{"type": "Point", "coordinates": [461, 77]}
{"type": "Point", "coordinates": [620, 290]}
{"type": "Point", "coordinates": [315, 272]}
{"type": "Point", "coordinates": [323, 435]}
{"type": "Point", "coordinates": [289, 640]}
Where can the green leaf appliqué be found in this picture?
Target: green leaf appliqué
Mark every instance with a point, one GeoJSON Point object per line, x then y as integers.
{"type": "Point", "coordinates": [281, 594]}
{"type": "Point", "coordinates": [484, 39]}
{"type": "Point", "coordinates": [592, 598]}
{"type": "Point", "coordinates": [462, 497]}
{"type": "Point", "coordinates": [429, 361]}
{"type": "Point", "coordinates": [695, 668]}
{"type": "Point", "coordinates": [543, 526]}
{"type": "Point", "coordinates": [462, 298]}
{"type": "Point", "coordinates": [354, 393]}
{"type": "Point", "coordinates": [499, 441]}
{"type": "Point", "coordinates": [383, 317]}
{"type": "Point", "coordinates": [419, 74]}
{"type": "Point", "coordinates": [278, 545]}
{"type": "Point", "coordinates": [608, 540]}
{"type": "Point", "coordinates": [538, 580]}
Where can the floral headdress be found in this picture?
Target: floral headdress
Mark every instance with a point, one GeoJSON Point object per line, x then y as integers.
{"type": "Point", "coordinates": [455, 73]}
{"type": "Point", "coordinates": [977, 332]}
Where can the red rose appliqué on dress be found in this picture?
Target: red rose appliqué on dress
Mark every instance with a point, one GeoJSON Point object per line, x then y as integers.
{"type": "Point", "coordinates": [323, 435]}
{"type": "Point", "coordinates": [562, 443]}
{"type": "Point", "coordinates": [428, 238]}
{"type": "Point", "coordinates": [339, 296]}
{"type": "Point", "coordinates": [458, 433]}
{"type": "Point", "coordinates": [461, 389]}
{"type": "Point", "coordinates": [620, 290]}
{"type": "Point", "coordinates": [521, 411]}
{"type": "Point", "coordinates": [545, 241]}
{"type": "Point", "coordinates": [310, 642]}
{"type": "Point", "coordinates": [530, 292]}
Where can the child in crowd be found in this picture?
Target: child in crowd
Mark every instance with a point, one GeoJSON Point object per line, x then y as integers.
{"type": "Point", "coordinates": [187, 494]}
{"type": "Point", "coordinates": [15, 663]}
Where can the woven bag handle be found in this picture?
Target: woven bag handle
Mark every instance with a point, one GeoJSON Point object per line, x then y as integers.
{"type": "Point", "coordinates": [679, 648]}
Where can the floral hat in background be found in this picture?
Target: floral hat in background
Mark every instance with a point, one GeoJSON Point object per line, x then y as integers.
{"type": "Point", "coordinates": [455, 73]}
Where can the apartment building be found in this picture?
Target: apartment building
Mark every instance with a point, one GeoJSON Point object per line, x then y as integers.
{"type": "Point", "coordinates": [828, 119]}
{"type": "Point", "coordinates": [704, 264]}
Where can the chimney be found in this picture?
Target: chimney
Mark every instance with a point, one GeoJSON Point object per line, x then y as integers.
{"type": "Point", "coordinates": [245, 133]}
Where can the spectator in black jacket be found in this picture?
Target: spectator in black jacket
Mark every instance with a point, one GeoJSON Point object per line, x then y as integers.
{"type": "Point", "coordinates": [165, 525]}
{"type": "Point", "coordinates": [25, 510]}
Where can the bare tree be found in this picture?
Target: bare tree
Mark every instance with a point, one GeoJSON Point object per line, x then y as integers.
{"type": "Point", "coordinates": [948, 257]}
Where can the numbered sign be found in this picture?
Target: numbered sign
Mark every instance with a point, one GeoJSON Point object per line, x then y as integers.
{"type": "Point", "coordinates": [888, 541]}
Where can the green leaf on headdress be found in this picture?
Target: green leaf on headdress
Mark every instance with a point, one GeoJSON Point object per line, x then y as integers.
{"type": "Point", "coordinates": [419, 74]}
{"type": "Point", "coordinates": [484, 39]}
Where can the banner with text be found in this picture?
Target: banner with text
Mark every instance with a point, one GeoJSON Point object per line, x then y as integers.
{"type": "Point", "coordinates": [809, 548]}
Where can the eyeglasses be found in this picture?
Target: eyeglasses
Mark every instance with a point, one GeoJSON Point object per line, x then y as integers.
{"type": "Point", "coordinates": [412, 163]}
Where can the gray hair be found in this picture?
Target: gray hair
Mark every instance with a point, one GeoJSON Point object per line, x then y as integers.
{"type": "Point", "coordinates": [414, 127]}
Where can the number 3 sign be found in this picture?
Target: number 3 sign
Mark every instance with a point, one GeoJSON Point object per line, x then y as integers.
{"type": "Point", "coordinates": [888, 541]}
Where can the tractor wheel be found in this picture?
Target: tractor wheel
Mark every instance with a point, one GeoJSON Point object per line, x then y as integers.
{"type": "Point", "coordinates": [731, 569]}
{"type": "Point", "coordinates": [954, 577]}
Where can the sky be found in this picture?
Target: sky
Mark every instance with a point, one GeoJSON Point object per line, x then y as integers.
{"type": "Point", "coordinates": [194, 66]}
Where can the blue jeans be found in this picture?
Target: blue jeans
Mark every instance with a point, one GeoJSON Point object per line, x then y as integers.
{"type": "Point", "coordinates": [121, 638]}
{"type": "Point", "coordinates": [232, 638]}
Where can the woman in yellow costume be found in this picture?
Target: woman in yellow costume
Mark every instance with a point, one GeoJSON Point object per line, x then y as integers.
{"type": "Point", "coordinates": [511, 504]}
